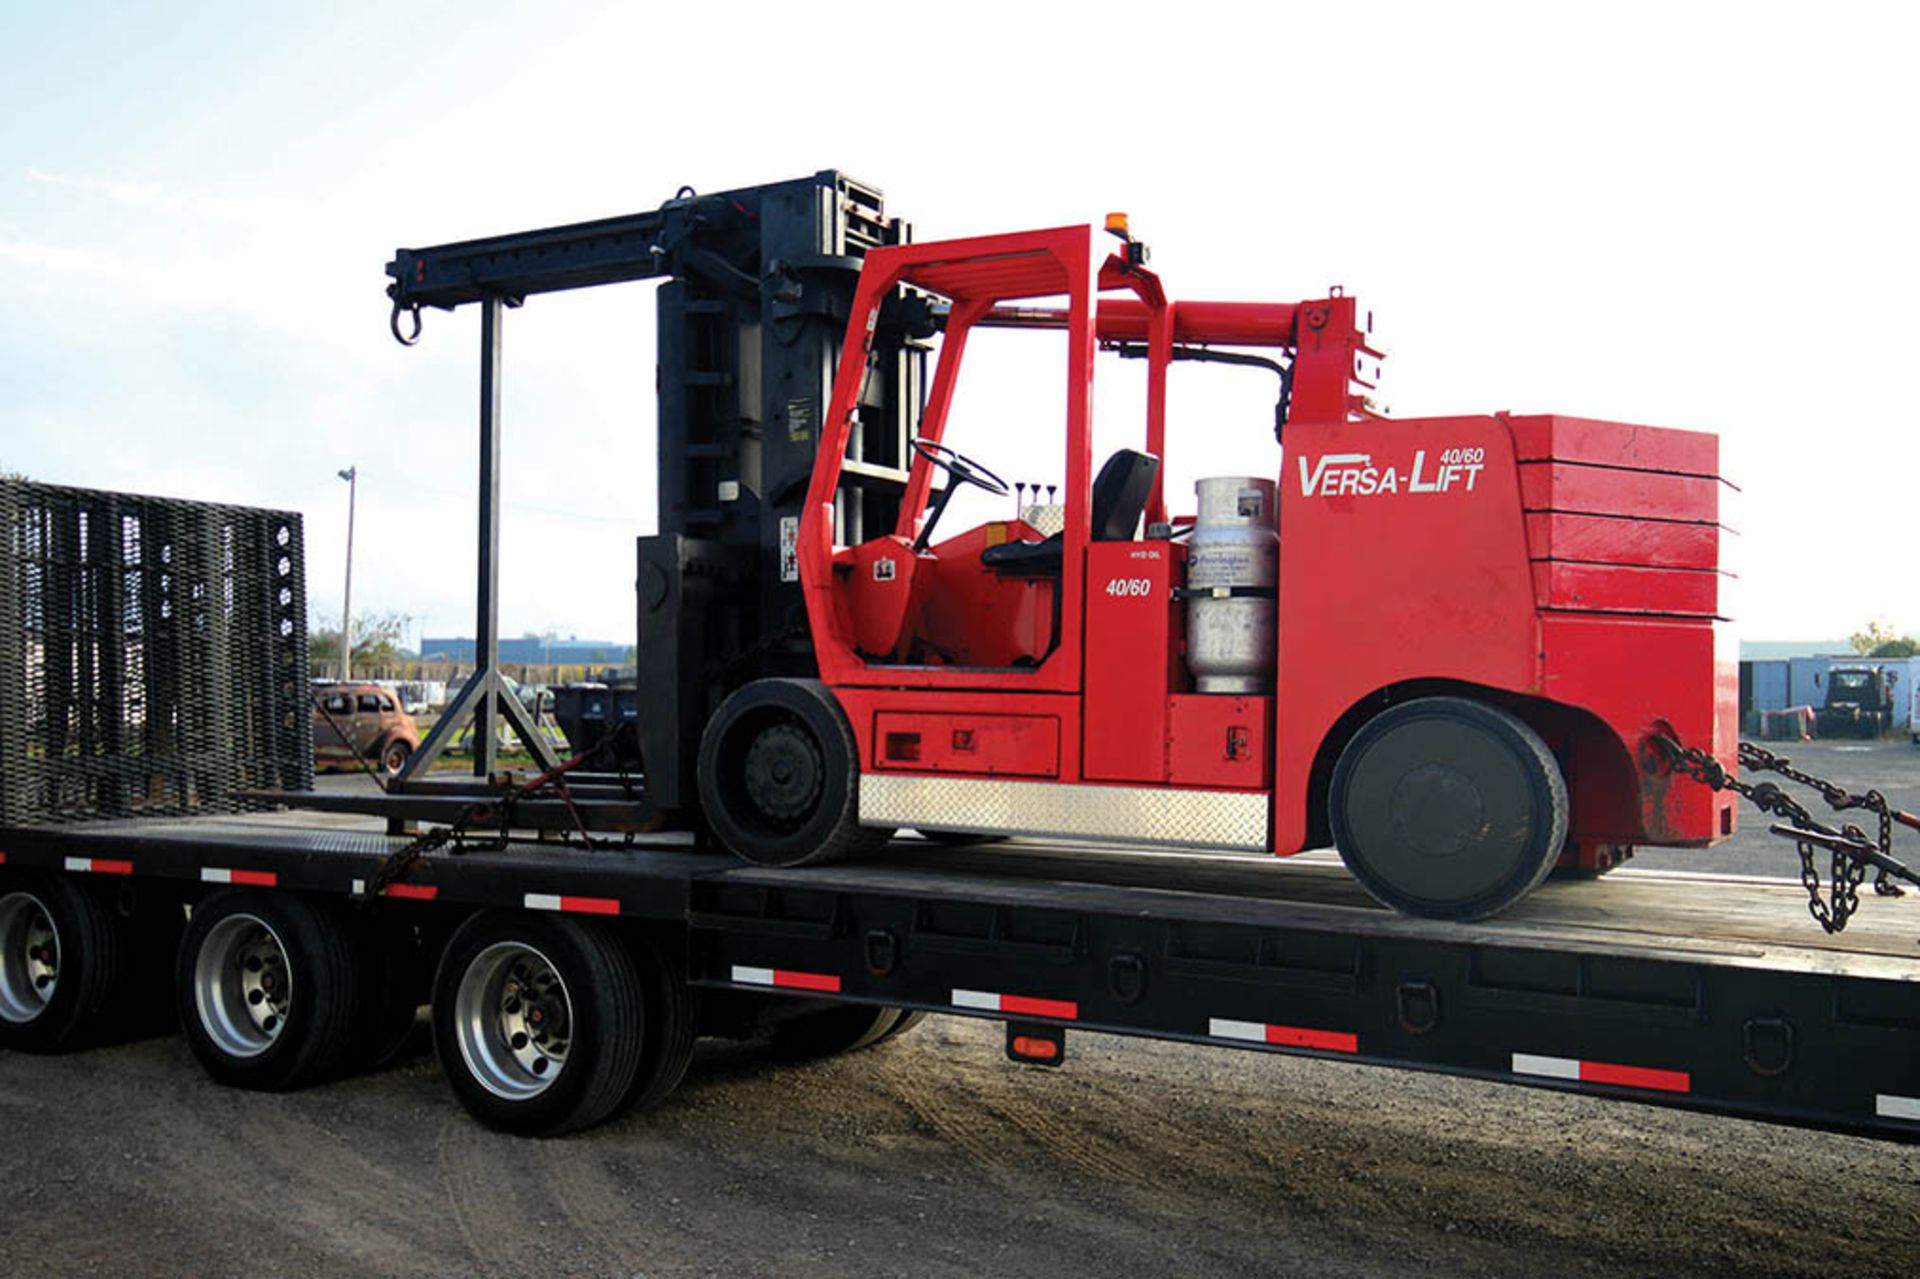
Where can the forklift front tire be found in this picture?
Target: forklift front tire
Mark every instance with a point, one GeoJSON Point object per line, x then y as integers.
{"type": "Point", "coordinates": [780, 776]}
{"type": "Point", "coordinates": [1448, 808]}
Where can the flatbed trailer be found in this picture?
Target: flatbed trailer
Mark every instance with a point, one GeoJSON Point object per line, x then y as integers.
{"type": "Point", "coordinates": [1710, 993]}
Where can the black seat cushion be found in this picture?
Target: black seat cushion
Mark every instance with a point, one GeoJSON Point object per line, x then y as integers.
{"type": "Point", "coordinates": [1025, 559]}
{"type": "Point", "coordinates": [1119, 498]}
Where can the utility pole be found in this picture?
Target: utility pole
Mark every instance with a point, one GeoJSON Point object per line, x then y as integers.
{"type": "Point", "coordinates": [352, 476]}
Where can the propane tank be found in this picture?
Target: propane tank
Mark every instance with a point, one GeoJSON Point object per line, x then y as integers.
{"type": "Point", "coordinates": [1233, 566]}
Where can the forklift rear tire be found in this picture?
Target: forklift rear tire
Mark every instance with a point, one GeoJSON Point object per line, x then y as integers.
{"type": "Point", "coordinates": [780, 776]}
{"type": "Point", "coordinates": [1448, 808]}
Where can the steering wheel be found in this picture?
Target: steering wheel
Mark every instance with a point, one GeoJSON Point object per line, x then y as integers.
{"type": "Point", "coordinates": [963, 469]}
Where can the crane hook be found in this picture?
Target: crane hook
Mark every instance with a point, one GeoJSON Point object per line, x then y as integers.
{"type": "Point", "coordinates": [393, 322]}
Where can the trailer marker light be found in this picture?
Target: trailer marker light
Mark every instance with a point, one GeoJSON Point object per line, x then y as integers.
{"type": "Point", "coordinates": [573, 905]}
{"type": "Point", "coordinates": [1602, 1072]}
{"type": "Point", "coordinates": [1259, 1032]}
{"type": "Point", "coordinates": [785, 979]}
{"type": "Point", "coordinates": [100, 865]}
{"type": "Point", "coordinates": [1035, 1048]}
{"type": "Point", "coordinates": [257, 878]}
{"type": "Point", "coordinates": [1888, 1106]}
{"type": "Point", "coordinates": [1017, 1005]}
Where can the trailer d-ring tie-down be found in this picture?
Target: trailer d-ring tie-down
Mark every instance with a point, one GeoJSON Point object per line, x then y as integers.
{"type": "Point", "coordinates": [1852, 851]}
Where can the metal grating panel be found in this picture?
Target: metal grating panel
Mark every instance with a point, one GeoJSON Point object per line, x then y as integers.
{"type": "Point", "coordinates": [1139, 814]}
{"type": "Point", "coordinates": [153, 654]}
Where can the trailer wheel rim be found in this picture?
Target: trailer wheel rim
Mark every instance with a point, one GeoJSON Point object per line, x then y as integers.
{"type": "Point", "coordinates": [242, 985]}
{"type": "Point", "coordinates": [29, 957]}
{"type": "Point", "coordinates": [513, 1019]}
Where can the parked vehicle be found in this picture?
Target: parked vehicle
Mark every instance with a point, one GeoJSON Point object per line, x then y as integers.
{"type": "Point", "coordinates": [362, 721]}
{"type": "Point", "coordinates": [1859, 702]}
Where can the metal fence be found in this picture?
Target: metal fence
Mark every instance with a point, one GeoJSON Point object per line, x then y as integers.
{"type": "Point", "coordinates": [153, 655]}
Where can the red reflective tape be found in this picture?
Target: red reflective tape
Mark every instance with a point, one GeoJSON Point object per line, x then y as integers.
{"type": "Point", "coordinates": [108, 866]}
{"type": "Point", "coordinates": [258, 878]}
{"type": "Point", "coordinates": [418, 892]}
{"type": "Point", "coordinates": [806, 981]}
{"type": "Point", "coordinates": [591, 905]}
{"type": "Point", "coordinates": [1026, 1006]}
{"type": "Point", "coordinates": [1334, 1041]}
{"type": "Point", "coordinates": [3, 859]}
{"type": "Point", "coordinates": [1600, 1072]}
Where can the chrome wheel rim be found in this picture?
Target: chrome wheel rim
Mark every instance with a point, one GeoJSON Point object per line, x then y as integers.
{"type": "Point", "coordinates": [242, 985]}
{"type": "Point", "coordinates": [514, 1021]}
{"type": "Point", "coordinates": [29, 957]}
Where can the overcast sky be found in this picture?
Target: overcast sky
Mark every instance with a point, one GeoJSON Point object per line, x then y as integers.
{"type": "Point", "coordinates": [1698, 216]}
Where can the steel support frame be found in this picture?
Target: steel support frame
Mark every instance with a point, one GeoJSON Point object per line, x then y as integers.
{"type": "Point", "coordinates": [485, 693]}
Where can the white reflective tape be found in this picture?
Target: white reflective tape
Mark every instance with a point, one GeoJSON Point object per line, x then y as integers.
{"type": "Point", "coordinates": [542, 901]}
{"type": "Point", "coordinates": [359, 888]}
{"type": "Point", "coordinates": [1551, 1067]}
{"type": "Point", "coordinates": [1254, 1032]}
{"type": "Point", "coordinates": [984, 1000]}
{"type": "Point", "coordinates": [215, 875]}
{"type": "Point", "coordinates": [80, 863]}
{"type": "Point", "coordinates": [1888, 1106]}
{"type": "Point", "coordinates": [752, 976]}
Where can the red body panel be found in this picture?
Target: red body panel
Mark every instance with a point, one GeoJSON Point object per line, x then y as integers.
{"type": "Point", "coordinates": [1407, 581]}
{"type": "Point", "coordinates": [1130, 659]}
{"type": "Point", "coordinates": [1220, 742]}
{"type": "Point", "coordinates": [867, 709]}
{"type": "Point", "coordinates": [985, 745]}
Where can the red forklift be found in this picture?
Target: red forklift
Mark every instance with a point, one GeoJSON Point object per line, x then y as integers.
{"type": "Point", "coordinates": [1451, 647]}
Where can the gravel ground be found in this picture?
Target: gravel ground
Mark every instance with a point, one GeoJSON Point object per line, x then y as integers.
{"type": "Point", "coordinates": [932, 1155]}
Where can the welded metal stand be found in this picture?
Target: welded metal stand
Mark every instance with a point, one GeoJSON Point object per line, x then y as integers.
{"type": "Point", "coordinates": [485, 692]}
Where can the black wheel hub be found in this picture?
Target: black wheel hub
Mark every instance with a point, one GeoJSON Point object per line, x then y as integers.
{"type": "Point", "coordinates": [784, 774]}
{"type": "Point", "coordinates": [1437, 810]}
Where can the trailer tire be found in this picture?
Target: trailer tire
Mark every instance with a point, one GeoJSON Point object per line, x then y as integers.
{"type": "Point", "coordinates": [909, 1018]}
{"type": "Point", "coordinates": [269, 994]}
{"type": "Point", "coordinates": [841, 1028]}
{"type": "Point", "coordinates": [62, 961]}
{"type": "Point", "coordinates": [516, 993]}
{"type": "Point", "coordinates": [1448, 808]}
{"type": "Point", "coordinates": [780, 776]}
{"type": "Point", "coordinates": [671, 1030]}
{"type": "Point", "coordinates": [392, 959]}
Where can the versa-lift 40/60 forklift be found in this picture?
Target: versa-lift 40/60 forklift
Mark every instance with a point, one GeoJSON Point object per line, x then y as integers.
{"type": "Point", "coordinates": [1449, 646]}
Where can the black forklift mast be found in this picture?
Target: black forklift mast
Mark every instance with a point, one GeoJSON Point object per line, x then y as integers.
{"type": "Point", "coordinates": [758, 282]}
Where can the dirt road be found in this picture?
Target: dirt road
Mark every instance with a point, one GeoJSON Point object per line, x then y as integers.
{"type": "Point", "coordinates": [930, 1155]}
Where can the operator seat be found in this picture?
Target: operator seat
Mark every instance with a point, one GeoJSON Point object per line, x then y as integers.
{"type": "Point", "coordinates": [1119, 498]}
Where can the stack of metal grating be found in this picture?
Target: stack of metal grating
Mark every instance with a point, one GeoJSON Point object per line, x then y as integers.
{"type": "Point", "coordinates": [153, 655]}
